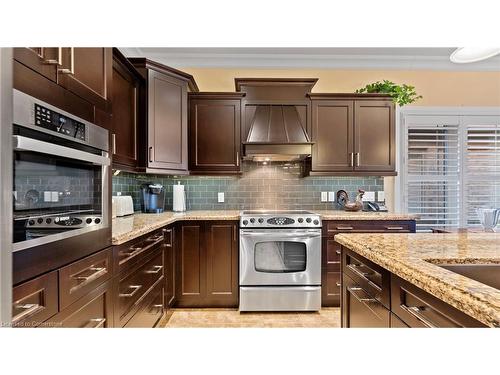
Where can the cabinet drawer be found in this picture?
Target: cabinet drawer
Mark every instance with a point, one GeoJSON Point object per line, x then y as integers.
{"type": "Point", "coordinates": [417, 308]}
{"type": "Point", "coordinates": [332, 256]}
{"type": "Point", "coordinates": [373, 279]}
{"type": "Point", "coordinates": [132, 252]}
{"type": "Point", "coordinates": [35, 301]}
{"type": "Point", "coordinates": [81, 277]}
{"type": "Point", "coordinates": [94, 310]}
{"type": "Point", "coordinates": [369, 226]}
{"type": "Point", "coordinates": [133, 287]}
{"type": "Point", "coordinates": [360, 309]}
{"type": "Point", "coordinates": [150, 311]}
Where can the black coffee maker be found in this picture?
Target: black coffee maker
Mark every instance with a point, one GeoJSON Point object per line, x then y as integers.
{"type": "Point", "coordinates": [152, 198]}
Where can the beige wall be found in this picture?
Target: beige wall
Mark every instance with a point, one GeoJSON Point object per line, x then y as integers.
{"type": "Point", "coordinates": [439, 88]}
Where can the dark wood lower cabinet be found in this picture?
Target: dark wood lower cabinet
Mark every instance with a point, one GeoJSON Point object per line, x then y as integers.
{"type": "Point", "coordinates": [373, 297]}
{"type": "Point", "coordinates": [330, 268]}
{"type": "Point", "coordinates": [360, 309]}
{"type": "Point", "coordinates": [207, 264]}
{"type": "Point", "coordinates": [150, 310]}
{"type": "Point", "coordinates": [95, 310]}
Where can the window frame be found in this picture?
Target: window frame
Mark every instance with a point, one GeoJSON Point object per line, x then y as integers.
{"type": "Point", "coordinates": [463, 113]}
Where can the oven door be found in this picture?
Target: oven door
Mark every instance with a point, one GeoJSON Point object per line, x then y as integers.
{"type": "Point", "coordinates": [280, 257]}
{"type": "Point", "coordinates": [54, 180]}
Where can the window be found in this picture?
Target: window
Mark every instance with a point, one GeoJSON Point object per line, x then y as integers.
{"type": "Point", "coordinates": [450, 166]}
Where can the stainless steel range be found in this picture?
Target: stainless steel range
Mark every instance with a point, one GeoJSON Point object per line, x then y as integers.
{"type": "Point", "coordinates": [280, 261]}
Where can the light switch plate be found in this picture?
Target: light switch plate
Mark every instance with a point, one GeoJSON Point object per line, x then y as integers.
{"type": "Point", "coordinates": [324, 196]}
{"type": "Point", "coordinates": [220, 197]}
{"type": "Point", "coordinates": [47, 196]}
{"type": "Point", "coordinates": [369, 196]}
{"type": "Point", "coordinates": [331, 196]}
{"type": "Point", "coordinates": [55, 196]}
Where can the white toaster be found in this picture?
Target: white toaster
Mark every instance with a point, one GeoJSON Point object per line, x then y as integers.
{"type": "Point", "coordinates": [123, 205]}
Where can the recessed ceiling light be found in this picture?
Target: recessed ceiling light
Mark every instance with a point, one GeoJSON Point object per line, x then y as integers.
{"type": "Point", "coordinates": [465, 55]}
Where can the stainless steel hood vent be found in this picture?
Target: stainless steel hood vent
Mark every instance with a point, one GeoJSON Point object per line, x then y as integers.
{"type": "Point", "coordinates": [277, 134]}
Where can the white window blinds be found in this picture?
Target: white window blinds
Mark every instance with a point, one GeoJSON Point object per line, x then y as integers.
{"type": "Point", "coordinates": [450, 167]}
{"type": "Point", "coordinates": [482, 167]}
{"type": "Point", "coordinates": [432, 170]}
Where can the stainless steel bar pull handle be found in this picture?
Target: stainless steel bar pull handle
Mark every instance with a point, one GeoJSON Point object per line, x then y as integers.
{"type": "Point", "coordinates": [353, 291]}
{"type": "Point", "coordinates": [357, 159]}
{"type": "Point", "coordinates": [394, 228]}
{"type": "Point", "coordinates": [151, 151]}
{"type": "Point", "coordinates": [97, 271]}
{"type": "Point", "coordinates": [352, 159]}
{"type": "Point", "coordinates": [28, 308]}
{"type": "Point", "coordinates": [237, 159]}
{"type": "Point", "coordinates": [113, 140]}
{"type": "Point", "coordinates": [71, 69]}
{"type": "Point", "coordinates": [96, 323]}
{"type": "Point", "coordinates": [416, 312]}
{"type": "Point", "coordinates": [57, 61]}
{"type": "Point", "coordinates": [135, 288]}
{"type": "Point", "coordinates": [155, 269]}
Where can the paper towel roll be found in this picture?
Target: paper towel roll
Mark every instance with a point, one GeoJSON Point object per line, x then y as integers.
{"type": "Point", "coordinates": [179, 204]}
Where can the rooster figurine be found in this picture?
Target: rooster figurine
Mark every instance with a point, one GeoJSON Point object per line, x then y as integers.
{"type": "Point", "coordinates": [358, 204]}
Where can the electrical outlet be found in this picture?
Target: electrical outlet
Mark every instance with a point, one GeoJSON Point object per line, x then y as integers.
{"type": "Point", "coordinates": [47, 196]}
{"type": "Point", "coordinates": [369, 196]}
{"type": "Point", "coordinates": [331, 196]}
{"type": "Point", "coordinates": [380, 196]}
{"type": "Point", "coordinates": [118, 193]}
{"type": "Point", "coordinates": [220, 197]}
{"type": "Point", "coordinates": [55, 196]}
{"type": "Point", "coordinates": [324, 196]}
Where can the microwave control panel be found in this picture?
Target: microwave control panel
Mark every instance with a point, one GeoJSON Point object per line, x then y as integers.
{"type": "Point", "coordinates": [52, 120]}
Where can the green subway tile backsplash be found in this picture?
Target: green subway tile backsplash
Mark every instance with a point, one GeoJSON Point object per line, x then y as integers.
{"type": "Point", "coordinates": [273, 186]}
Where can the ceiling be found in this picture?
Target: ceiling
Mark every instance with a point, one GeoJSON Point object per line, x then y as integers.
{"type": "Point", "coordinates": [417, 58]}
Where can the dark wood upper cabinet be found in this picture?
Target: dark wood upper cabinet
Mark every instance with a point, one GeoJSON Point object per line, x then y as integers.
{"type": "Point", "coordinates": [43, 60]}
{"type": "Point", "coordinates": [353, 134]}
{"type": "Point", "coordinates": [125, 102]}
{"type": "Point", "coordinates": [87, 72]}
{"type": "Point", "coordinates": [332, 134]}
{"type": "Point", "coordinates": [214, 133]}
{"type": "Point", "coordinates": [374, 135]}
{"type": "Point", "coordinates": [163, 146]}
{"type": "Point", "coordinates": [207, 264]}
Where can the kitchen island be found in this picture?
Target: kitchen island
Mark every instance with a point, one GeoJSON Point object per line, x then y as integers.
{"type": "Point", "coordinates": [438, 268]}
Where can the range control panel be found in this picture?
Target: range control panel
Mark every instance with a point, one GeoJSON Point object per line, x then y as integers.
{"type": "Point", "coordinates": [52, 120]}
{"type": "Point", "coordinates": [300, 219]}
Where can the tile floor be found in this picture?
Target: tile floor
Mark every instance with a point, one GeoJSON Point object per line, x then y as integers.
{"type": "Point", "coordinates": [232, 318]}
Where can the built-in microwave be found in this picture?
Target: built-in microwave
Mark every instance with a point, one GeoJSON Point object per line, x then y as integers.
{"type": "Point", "coordinates": [61, 175]}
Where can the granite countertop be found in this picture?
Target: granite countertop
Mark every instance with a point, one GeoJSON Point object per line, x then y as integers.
{"type": "Point", "coordinates": [363, 215]}
{"type": "Point", "coordinates": [414, 256]}
{"type": "Point", "coordinates": [129, 227]}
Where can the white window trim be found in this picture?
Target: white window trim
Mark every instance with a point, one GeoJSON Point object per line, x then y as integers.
{"type": "Point", "coordinates": [401, 114]}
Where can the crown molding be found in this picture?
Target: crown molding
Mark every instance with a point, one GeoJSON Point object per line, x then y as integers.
{"type": "Point", "coordinates": [265, 59]}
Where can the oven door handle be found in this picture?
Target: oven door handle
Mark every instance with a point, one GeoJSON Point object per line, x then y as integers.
{"type": "Point", "coordinates": [21, 143]}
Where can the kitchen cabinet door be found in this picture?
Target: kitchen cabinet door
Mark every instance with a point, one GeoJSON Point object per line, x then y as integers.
{"type": "Point", "coordinates": [191, 262]}
{"type": "Point", "coordinates": [214, 135]}
{"type": "Point", "coordinates": [332, 134]}
{"type": "Point", "coordinates": [125, 96]}
{"type": "Point", "coordinates": [95, 310]}
{"type": "Point", "coordinates": [167, 122]}
{"type": "Point", "coordinates": [374, 136]}
{"type": "Point", "coordinates": [222, 264]}
{"type": "Point", "coordinates": [87, 72]}
{"type": "Point", "coordinates": [43, 60]}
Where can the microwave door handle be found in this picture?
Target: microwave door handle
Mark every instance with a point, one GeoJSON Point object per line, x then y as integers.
{"type": "Point", "coordinates": [21, 143]}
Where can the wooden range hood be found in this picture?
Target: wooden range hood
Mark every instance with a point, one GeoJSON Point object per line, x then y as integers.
{"type": "Point", "coordinates": [276, 113]}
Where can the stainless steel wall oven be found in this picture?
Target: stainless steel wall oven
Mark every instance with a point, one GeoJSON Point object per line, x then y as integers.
{"type": "Point", "coordinates": [61, 185]}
